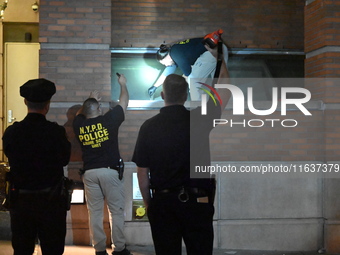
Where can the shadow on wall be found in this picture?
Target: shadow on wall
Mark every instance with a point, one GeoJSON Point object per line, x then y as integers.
{"type": "Point", "coordinates": [77, 216]}
{"type": "Point", "coordinates": [76, 153]}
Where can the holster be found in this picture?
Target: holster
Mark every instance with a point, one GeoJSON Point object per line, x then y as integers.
{"type": "Point", "coordinates": [66, 191]}
{"type": "Point", "coordinates": [213, 190]}
{"type": "Point", "coordinates": [11, 193]}
{"type": "Point", "coordinates": [81, 171]}
{"type": "Point", "coordinates": [121, 167]}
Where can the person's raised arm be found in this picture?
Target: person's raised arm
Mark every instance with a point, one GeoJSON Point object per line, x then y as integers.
{"type": "Point", "coordinates": [124, 94]}
{"type": "Point", "coordinates": [167, 70]}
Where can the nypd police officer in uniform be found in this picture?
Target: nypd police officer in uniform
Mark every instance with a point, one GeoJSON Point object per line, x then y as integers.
{"type": "Point", "coordinates": [179, 208]}
{"type": "Point", "coordinates": [37, 151]}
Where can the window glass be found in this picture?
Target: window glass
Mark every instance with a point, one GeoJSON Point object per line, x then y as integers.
{"type": "Point", "coordinates": [142, 70]}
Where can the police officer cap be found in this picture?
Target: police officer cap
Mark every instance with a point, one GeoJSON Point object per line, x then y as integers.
{"type": "Point", "coordinates": [38, 90]}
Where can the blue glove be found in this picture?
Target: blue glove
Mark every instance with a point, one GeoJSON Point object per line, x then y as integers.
{"type": "Point", "coordinates": [152, 90]}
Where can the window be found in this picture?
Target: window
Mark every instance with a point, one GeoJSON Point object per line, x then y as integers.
{"type": "Point", "coordinates": [142, 69]}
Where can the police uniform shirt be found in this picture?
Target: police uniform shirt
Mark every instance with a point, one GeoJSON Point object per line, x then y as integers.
{"type": "Point", "coordinates": [99, 138]}
{"type": "Point", "coordinates": [184, 54]}
{"type": "Point", "coordinates": [164, 145]}
{"type": "Point", "coordinates": [37, 150]}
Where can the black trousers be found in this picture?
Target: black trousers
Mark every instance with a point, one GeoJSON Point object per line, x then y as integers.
{"type": "Point", "coordinates": [40, 216]}
{"type": "Point", "coordinates": [172, 221]}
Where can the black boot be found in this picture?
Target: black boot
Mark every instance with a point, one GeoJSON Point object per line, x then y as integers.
{"type": "Point", "coordinates": [101, 253]}
{"type": "Point", "coordinates": [123, 252]}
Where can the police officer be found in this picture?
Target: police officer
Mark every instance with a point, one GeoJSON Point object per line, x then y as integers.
{"type": "Point", "coordinates": [192, 58]}
{"type": "Point", "coordinates": [179, 208]}
{"type": "Point", "coordinates": [97, 133]}
{"type": "Point", "coordinates": [37, 150]}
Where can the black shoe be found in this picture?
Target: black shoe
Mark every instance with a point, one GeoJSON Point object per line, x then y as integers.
{"type": "Point", "coordinates": [101, 253]}
{"type": "Point", "coordinates": [152, 90]}
{"type": "Point", "coordinates": [123, 252]}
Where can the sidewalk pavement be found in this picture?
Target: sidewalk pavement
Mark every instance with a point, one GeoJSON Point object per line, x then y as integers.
{"type": "Point", "coordinates": [6, 249]}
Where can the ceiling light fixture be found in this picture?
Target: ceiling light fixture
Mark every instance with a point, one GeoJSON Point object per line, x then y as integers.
{"type": "Point", "coordinates": [35, 7]}
{"type": "Point", "coordinates": [3, 6]}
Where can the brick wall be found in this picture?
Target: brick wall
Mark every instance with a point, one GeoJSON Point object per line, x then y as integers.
{"type": "Point", "coordinates": [332, 135]}
{"type": "Point", "coordinates": [279, 143]}
{"type": "Point", "coordinates": [75, 21]}
{"type": "Point", "coordinates": [241, 142]}
{"type": "Point", "coordinates": [321, 24]}
{"type": "Point", "coordinates": [323, 65]}
{"type": "Point", "coordinates": [322, 38]}
{"type": "Point", "coordinates": [75, 38]}
{"type": "Point", "coordinates": [77, 72]}
{"type": "Point", "coordinates": [248, 23]}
